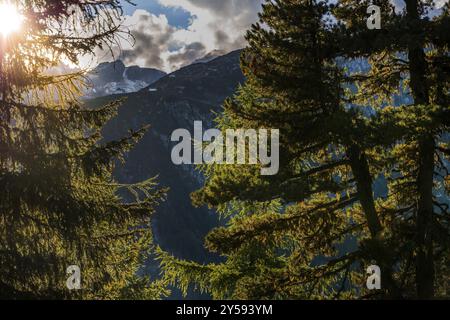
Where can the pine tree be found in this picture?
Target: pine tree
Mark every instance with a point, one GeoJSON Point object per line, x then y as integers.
{"type": "Point", "coordinates": [59, 203]}
{"type": "Point", "coordinates": [312, 230]}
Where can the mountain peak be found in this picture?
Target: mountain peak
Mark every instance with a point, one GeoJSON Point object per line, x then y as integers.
{"type": "Point", "coordinates": [115, 78]}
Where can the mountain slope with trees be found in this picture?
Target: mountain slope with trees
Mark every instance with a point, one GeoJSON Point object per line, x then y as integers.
{"type": "Point", "coordinates": [194, 93]}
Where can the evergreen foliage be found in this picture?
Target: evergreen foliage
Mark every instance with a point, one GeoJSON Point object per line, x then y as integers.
{"type": "Point", "coordinates": [59, 204]}
{"type": "Point", "coordinates": [312, 230]}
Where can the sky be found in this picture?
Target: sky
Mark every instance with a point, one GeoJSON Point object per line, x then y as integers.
{"type": "Point", "coordinates": [170, 34]}
{"type": "Point", "coordinates": [177, 16]}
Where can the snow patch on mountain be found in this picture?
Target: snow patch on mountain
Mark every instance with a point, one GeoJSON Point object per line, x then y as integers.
{"type": "Point", "coordinates": [111, 78]}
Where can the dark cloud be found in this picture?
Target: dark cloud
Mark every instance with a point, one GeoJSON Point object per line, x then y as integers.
{"type": "Point", "coordinates": [188, 54]}
{"type": "Point", "coordinates": [222, 37]}
{"type": "Point", "coordinates": [151, 43]}
{"type": "Point", "coordinates": [144, 48]}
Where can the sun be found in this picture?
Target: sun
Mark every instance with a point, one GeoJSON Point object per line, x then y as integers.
{"type": "Point", "coordinates": [10, 19]}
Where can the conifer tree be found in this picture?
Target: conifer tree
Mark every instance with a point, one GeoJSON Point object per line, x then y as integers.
{"type": "Point", "coordinates": [358, 110]}
{"type": "Point", "coordinates": [59, 203]}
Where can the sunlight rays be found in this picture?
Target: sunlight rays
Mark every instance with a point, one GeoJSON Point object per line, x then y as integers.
{"type": "Point", "coordinates": [10, 19]}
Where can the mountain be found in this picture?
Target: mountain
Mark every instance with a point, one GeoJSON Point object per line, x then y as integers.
{"type": "Point", "coordinates": [114, 78]}
{"type": "Point", "coordinates": [175, 101]}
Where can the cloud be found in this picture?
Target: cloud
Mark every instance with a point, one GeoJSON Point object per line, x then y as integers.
{"type": "Point", "coordinates": [218, 24]}
{"type": "Point", "coordinates": [187, 54]}
{"type": "Point", "coordinates": [153, 39]}
{"type": "Point", "coordinates": [154, 43]}
{"type": "Point", "coordinates": [215, 25]}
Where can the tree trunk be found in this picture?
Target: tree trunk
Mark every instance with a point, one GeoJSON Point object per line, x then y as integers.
{"type": "Point", "coordinates": [360, 169]}
{"type": "Point", "coordinates": [361, 172]}
{"type": "Point", "coordinates": [425, 261]}
{"type": "Point", "coordinates": [420, 92]}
